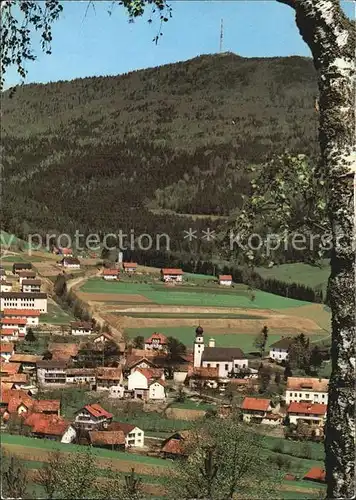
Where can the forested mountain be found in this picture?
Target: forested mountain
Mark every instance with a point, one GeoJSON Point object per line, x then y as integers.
{"type": "Point", "coordinates": [97, 154]}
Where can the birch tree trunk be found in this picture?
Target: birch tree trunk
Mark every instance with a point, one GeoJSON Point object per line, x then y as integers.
{"type": "Point", "coordinates": [331, 38]}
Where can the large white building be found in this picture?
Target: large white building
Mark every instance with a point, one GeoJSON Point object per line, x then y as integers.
{"type": "Point", "coordinates": [307, 389]}
{"type": "Point", "coordinates": [31, 315]}
{"type": "Point", "coordinates": [21, 300]}
{"type": "Point", "coordinates": [147, 383]}
{"type": "Point", "coordinates": [225, 359]}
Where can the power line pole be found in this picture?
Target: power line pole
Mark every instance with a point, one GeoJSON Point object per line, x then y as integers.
{"type": "Point", "coordinates": [221, 35]}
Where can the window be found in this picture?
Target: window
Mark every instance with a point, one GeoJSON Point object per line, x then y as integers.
{"type": "Point", "coordinates": [217, 365]}
{"type": "Point", "coordinates": [208, 365]}
{"type": "Point", "coordinates": [236, 366]}
{"type": "Point", "coordinates": [226, 366]}
{"type": "Point", "coordinates": [307, 396]}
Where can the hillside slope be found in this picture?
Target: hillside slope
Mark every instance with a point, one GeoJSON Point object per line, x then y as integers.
{"type": "Point", "coordinates": [94, 154]}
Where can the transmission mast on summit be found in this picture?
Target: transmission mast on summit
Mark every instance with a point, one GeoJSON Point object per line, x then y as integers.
{"type": "Point", "coordinates": [221, 35]}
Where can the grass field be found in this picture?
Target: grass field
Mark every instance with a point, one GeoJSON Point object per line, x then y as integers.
{"type": "Point", "coordinates": [187, 315]}
{"type": "Point", "coordinates": [55, 315]}
{"type": "Point", "coordinates": [305, 274]}
{"type": "Point", "coordinates": [186, 335]}
{"type": "Point", "coordinates": [238, 296]}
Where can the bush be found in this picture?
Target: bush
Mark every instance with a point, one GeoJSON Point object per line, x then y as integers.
{"type": "Point", "coordinates": [278, 448]}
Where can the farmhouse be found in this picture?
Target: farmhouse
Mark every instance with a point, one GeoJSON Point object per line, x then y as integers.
{"type": "Point", "coordinates": [51, 372]}
{"type": "Point", "coordinates": [27, 361]}
{"type": "Point", "coordinates": [108, 377]}
{"type": "Point", "coordinates": [81, 328]}
{"type": "Point", "coordinates": [203, 377]}
{"type": "Point", "coordinates": [21, 300]}
{"type": "Point", "coordinates": [92, 417]}
{"type": "Point", "coordinates": [308, 413]}
{"type": "Point", "coordinates": [14, 323]}
{"type": "Point", "coordinates": [81, 376]}
{"type": "Point", "coordinates": [172, 275]}
{"type": "Point", "coordinates": [313, 390]}
{"type": "Point", "coordinates": [47, 426]}
{"type": "Point", "coordinates": [22, 266]}
{"type": "Point", "coordinates": [176, 445]}
{"type": "Point", "coordinates": [10, 334]}
{"type": "Point", "coordinates": [31, 315]}
{"type": "Point", "coordinates": [112, 440]}
{"type": "Point", "coordinates": [225, 280]}
{"type": "Point", "coordinates": [111, 274]}
{"type": "Point", "coordinates": [279, 350]}
{"type": "Point", "coordinates": [31, 285]}
{"type": "Point", "coordinates": [15, 402]}
{"type": "Point", "coordinates": [6, 350]}
{"type": "Point", "coordinates": [26, 275]}
{"type": "Point", "coordinates": [129, 267]}
{"type": "Point", "coordinates": [157, 342]}
{"type": "Point", "coordinates": [5, 286]}
{"type": "Point", "coordinates": [228, 360]}
{"type": "Point", "coordinates": [147, 383]}
{"type": "Point", "coordinates": [134, 436]}
{"type": "Point", "coordinates": [63, 351]}
{"type": "Point", "coordinates": [256, 410]}
{"type": "Point", "coordinates": [70, 262]}
{"type": "Point", "coordinates": [133, 362]}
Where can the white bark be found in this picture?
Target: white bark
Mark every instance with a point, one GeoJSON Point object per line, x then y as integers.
{"type": "Point", "coordinates": [331, 38]}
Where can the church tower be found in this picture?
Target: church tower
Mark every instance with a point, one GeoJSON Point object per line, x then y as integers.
{"type": "Point", "coordinates": [198, 346]}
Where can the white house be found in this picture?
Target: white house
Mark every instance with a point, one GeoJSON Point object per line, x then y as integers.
{"type": "Point", "coordinates": [134, 436]}
{"type": "Point", "coordinates": [280, 349]}
{"type": "Point", "coordinates": [308, 413]}
{"type": "Point", "coordinates": [5, 286]}
{"type": "Point", "coordinates": [29, 285]}
{"type": "Point", "coordinates": [156, 342]}
{"type": "Point", "coordinates": [307, 389]}
{"type": "Point", "coordinates": [30, 315]}
{"type": "Point", "coordinates": [225, 280]}
{"type": "Point", "coordinates": [81, 328]}
{"type": "Point", "coordinates": [6, 351]}
{"type": "Point", "coordinates": [21, 300]}
{"type": "Point", "coordinates": [147, 383]}
{"type": "Point", "coordinates": [129, 267]}
{"type": "Point", "coordinates": [9, 335]}
{"type": "Point", "coordinates": [81, 376]}
{"type": "Point", "coordinates": [26, 275]}
{"type": "Point", "coordinates": [70, 262]}
{"type": "Point", "coordinates": [116, 391]}
{"type": "Point", "coordinates": [102, 337]}
{"type": "Point", "coordinates": [51, 373]}
{"type": "Point", "coordinates": [110, 274]}
{"type": "Point", "coordinates": [69, 435]}
{"type": "Point", "coordinates": [14, 323]}
{"type": "Point", "coordinates": [172, 275]}
{"type": "Point", "coordinates": [226, 359]}
{"type": "Point", "coordinates": [92, 417]}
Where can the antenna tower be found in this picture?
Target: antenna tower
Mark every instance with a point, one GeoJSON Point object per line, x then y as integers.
{"type": "Point", "coordinates": [221, 35]}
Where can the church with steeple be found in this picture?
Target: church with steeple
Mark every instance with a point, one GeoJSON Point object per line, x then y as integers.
{"type": "Point", "coordinates": [225, 359]}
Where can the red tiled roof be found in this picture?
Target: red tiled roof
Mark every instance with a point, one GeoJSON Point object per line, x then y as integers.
{"type": "Point", "coordinates": [107, 437]}
{"type": "Point", "coordinates": [19, 394]}
{"type": "Point", "coordinates": [225, 277]}
{"type": "Point", "coordinates": [21, 312]}
{"type": "Point", "coordinates": [66, 251]}
{"type": "Point", "coordinates": [157, 336]}
{"type": "Point", "coordinates": [121, 426]}
{"type": "Point", "coordinates": [97, 411]}
{"type": "Point", "coordinates": [158, 381]}
{"type": "Point", "coordinates": [203, 372]}
{"type": "Point", "coordinates": [174, 447]}
{"type": "Point", "coordinates": [308, 408]}
{"type": "Point", "coordinates": [151, 373]}
{"type": "Point", "coordinates": [43, 405]}
{"type": "Point", "coordinates": [8, 347]}
{"type": "Point", "coordinates": [255, 404]}
{"type": "Point", "coordinates": [51, 425]}
{"type": "Point", "coordinates": [24, 358]}
{"type": "Point", "coordinates": [129, 264]}
{"type": "Point", "coordinates": [104, 373]}
{"type": "Point", "coordinates": [63, 351]}
{"type": "Point", "coordinates": [17, 400]}
{"type": "Point", "coordinates": [16, 378]}
{"type": "Point", "coordinates": [171, 271]}
{"type": "Point", "coordinates": [9, 331]}
{"type": "Point", "coordinates": [310, 383]}
{"type": "Point", "coordinates": [110, 272]}
{"type": "Point", "coordinates": [9, 368]}
{"type": "Point", "coordinates": [315, 474]}
{"type": "Point", "coordinates": [13, 321]}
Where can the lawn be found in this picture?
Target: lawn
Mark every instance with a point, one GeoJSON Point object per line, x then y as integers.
{"type": "Point", "coordinates": [21, 258]}
{"type": "Point", "coordinates": [187, 315]}
{"type": "Point", "coordinates": [186, 334]}
{"type": "Point", "coordinates": [55, 315]}
{"type": "Point", "coordinates": [193, 296]}
{"type": "Point", "coordinates": [305, 274]}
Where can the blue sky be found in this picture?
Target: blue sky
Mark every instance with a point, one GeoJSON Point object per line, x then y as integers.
{"type": "Point", "coordinates": [90, 42]}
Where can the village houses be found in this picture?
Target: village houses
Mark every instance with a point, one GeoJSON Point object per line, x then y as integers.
{"type": "Point", "coordinates": [19, 324]}
{"type": "Point", "coordinates": [11, 335]}
{"type": "Point", "coordinates": [91, 417]}
{"type": "Point", "coordinates": [129, 267]}
{"type": "Point", "coordinates": [81, 328]}
{"type": "Point", "coordinates": [170, 275]}
{"type": "Point", "coordinates": [279, 351]}
{"type": "Point", "coordinates": [5, 286]}
{"type": "Point", "coordinates": [6, 351]}
{"type": "Point", "coordinates": [147, 384]}
{"type": "Point", "coordinates": [26, 275]}
{"type": "Point", "coordinates": [134, 436]}
{"type": "Point", "coordinates": [70, 263]}
{"type": "Point", "coordinates": [307, 389]}
{"type": "Point", "coordinates": [157, 342]}
{"type": "Point", "coordinates": [111, 274]}
{"type": "Point", "coordinates": [2, 274]}
{"type": "Point", "coordinates": [260, 411]}
{"type": "Point", "coordinates": [307, 413]}
{"type": "Point", "coordinates": [30, 315]}
{"type": "Point", "coordinates": [225, 280]}
{"type": "Point", "coordinates": [31, 285]}
{"type": "Point", "coordinates": [18, 267]}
